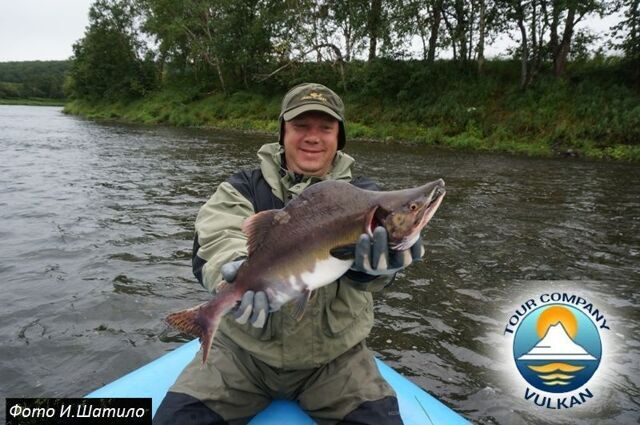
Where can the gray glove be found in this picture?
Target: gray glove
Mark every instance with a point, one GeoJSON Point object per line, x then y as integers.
{"type": "Point", "coordinates": [254, 306]}
{"type": "Point", "coordinates": [374, 257]}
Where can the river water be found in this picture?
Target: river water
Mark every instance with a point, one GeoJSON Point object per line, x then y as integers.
{"type": "Point", "coordinates": [96, 223]}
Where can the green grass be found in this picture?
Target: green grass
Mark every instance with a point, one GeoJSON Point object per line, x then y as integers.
{"type": "Point", "coordinates": [223, 113]}
{"type": "Point", "coordinates": [33, 102]}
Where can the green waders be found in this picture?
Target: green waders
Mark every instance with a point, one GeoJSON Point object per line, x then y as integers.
{"type": "Point", "coordinates": [234, 386]}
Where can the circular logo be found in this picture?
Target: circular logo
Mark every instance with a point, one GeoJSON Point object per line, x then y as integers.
{"type": "Point", "coordinates": [557, 348]}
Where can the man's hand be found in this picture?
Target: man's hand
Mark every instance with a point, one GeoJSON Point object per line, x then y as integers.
{"type": "Point", "coordinates": [374, 257]}
{"type": "Point", "coordinates": [254, 306]}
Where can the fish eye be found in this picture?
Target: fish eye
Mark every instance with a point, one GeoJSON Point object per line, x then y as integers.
{"type": "Point", "coordinates": [413, 206]}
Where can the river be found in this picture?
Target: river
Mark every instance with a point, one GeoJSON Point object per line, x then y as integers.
{"type": "Point", "coordinates": [96, 223]}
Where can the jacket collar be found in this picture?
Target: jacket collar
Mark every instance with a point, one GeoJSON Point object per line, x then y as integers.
{"type": "Point", "coordinates": [284, 182]}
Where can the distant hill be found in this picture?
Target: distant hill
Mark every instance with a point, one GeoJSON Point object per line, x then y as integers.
{"type": "Point", "coordinates": [33, 79]}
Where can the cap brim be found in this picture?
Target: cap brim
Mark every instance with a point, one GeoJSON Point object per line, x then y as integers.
{"type": "Point", "coordinates": [291, 114]}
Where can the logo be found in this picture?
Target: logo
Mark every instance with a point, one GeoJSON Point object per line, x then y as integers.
{"type": "Point", "coordinates": [315, 96]}
{"type": "Point", "coordinates": [557, 348]}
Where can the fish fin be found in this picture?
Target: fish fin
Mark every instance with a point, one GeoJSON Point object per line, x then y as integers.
{"type": "Point", "coordinates": [344, 252]}
{"type": "Point", "coordinates": [223, 286]}
{"type": "Point", "coordinates": [301, 304]}
{"type": "Point", "coordinates": [187, 321]}
{"type": "Point", "coordinates": [257, 226]}
{"type": "Point", "coordinates": [202, 321]}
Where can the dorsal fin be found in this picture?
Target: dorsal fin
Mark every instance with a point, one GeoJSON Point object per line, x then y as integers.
{"type": "Point", "coordinates": [257, 226]}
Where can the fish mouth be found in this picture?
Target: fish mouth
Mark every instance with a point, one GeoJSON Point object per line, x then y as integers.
{"type": "Point", "coordinates": [424, 215]}
{"type": "Point", "coordinates": [431, 207]}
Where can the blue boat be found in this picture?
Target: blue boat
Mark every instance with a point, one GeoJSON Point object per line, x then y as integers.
{"type": "Point", "coordinates": [153, 380]}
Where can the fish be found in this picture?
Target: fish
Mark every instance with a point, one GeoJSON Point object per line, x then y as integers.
{"type": "Point", "coordinates": [309, 244]}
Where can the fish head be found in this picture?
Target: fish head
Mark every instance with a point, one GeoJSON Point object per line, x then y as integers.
{"type": "Point", "coordinates": [404, 213]}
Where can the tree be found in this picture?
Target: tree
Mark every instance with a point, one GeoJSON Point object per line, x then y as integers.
{"type": "Point", "coordinates": [482, 35]}
{"type": "Point", "coordinates": [519, 11]}
{"type": "Point", "coordinates": [234, 39]}
{"type": "Point", "coordinates": [109, 61]}
{"type": "Point", "coordinates": [349, 17]}
{"type": "Point", "coordinates": [422, 18]}
{"type": "Point", "coordinates": [626, 34]}
{"type": "Point", "coordinates": [454, 16]}
{"type": "Point", "coordinates": [570, 12]}
{"type": "Point", "coordinates": [374, 24]}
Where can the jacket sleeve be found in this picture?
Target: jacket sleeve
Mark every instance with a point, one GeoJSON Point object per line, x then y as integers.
{"type": "Point", "coordinates": [219, 237]}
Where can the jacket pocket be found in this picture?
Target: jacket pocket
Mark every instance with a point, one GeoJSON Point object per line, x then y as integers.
{"type": "Point", "coordinates": [345, 306]}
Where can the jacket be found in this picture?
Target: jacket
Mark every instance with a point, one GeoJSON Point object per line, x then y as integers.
{"type": "Point", "coordinates": [338, 316]}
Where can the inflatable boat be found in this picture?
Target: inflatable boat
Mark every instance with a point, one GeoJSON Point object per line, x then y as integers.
{"type": "Point", "coordinates": [153, 380]}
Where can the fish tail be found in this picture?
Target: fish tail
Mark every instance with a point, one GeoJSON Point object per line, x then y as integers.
{"type": "Point", "coordinates": [202, 321]}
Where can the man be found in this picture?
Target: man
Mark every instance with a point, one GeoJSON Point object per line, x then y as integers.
{"type": "Point", "coordinates": [320, 361]}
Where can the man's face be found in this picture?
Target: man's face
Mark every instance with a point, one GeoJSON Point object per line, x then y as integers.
{"type": "Point", "coordinates": [310, 143]}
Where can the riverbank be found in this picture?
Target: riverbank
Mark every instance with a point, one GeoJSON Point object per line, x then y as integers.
{"type": "Point", "coordinates": [590, 116]}
{"type": "Point", "coordinates": [32, 101]}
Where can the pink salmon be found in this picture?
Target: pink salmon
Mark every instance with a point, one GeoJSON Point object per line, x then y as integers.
{"type": "Point", "coordinates": [309, 244]}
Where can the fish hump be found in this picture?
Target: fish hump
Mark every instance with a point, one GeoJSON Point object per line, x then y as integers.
{"type": "Point", "coordinates": [258, 226]}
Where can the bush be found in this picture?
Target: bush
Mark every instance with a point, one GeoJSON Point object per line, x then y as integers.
{"type": "Point", "coordinates": [591, 113]}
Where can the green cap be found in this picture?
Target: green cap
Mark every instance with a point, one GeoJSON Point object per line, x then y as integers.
{"type": "Point", "coordinates": [312, 97]}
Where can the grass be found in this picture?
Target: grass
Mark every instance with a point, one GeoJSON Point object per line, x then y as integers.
{"type": "Point", "coordinates": [223, 113]}
{"type": "Point", "coordinates": [34, 101]}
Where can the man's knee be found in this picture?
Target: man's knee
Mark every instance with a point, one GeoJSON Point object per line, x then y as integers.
{"type": "Point", "coordinates": [378, 412]}
{"type": "Point", "coordinates": [178, 408]}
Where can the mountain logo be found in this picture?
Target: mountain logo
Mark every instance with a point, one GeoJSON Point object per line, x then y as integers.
{"type": "Point", "coordinates": [557, 348]}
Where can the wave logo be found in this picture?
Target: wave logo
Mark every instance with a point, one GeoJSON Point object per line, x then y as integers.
{"type": "Point", "coordinates": [557, 347]}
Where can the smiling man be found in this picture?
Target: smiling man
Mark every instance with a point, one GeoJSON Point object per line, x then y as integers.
{"type": "Point", "coordinates": [321, 361]}
{"type": "Point", "coordinates": [310, 143]}
{"type": "Point", "coordinates": [312, 129]}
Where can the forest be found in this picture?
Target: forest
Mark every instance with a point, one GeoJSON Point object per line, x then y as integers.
{"type": "Point", "coordinates": [32, 80]}
{"type": "Point", "coordinates": [408, 69]}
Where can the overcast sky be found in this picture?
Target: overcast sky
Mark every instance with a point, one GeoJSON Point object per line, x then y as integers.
{"type": "Point", "coordinates": [46, 29]}
{"type": "Point", "coordinates": [41, 29]}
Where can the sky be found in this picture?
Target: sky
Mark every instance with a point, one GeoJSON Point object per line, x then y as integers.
{"type": "Point", "coordinates": [47, 29]}
{"type": "Point", "coordinates": [41, 29]}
